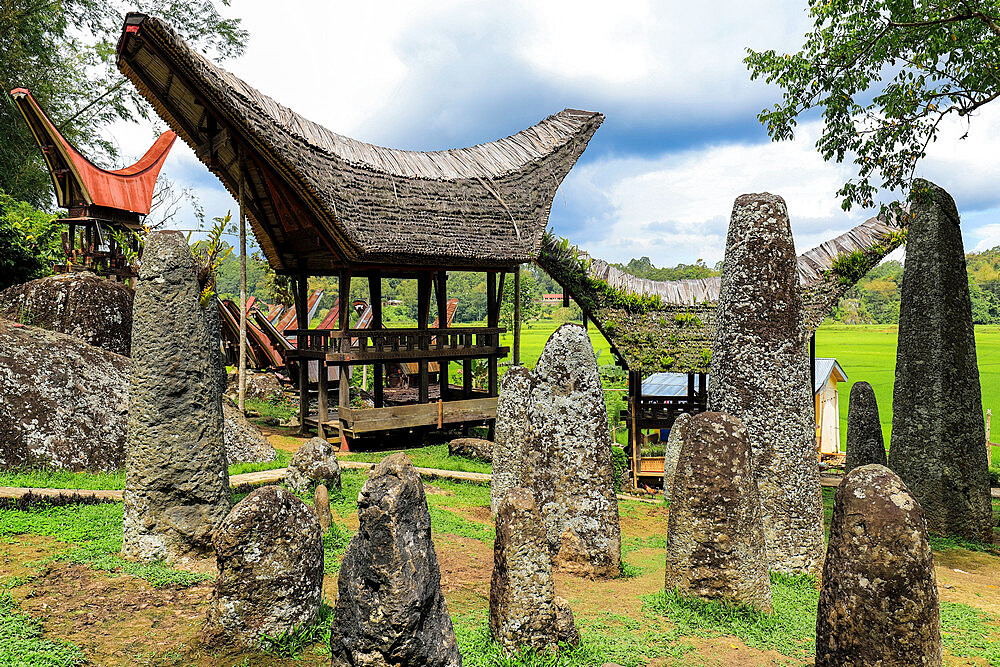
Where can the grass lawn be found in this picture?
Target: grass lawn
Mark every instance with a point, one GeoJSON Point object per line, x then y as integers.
{"type": "Point", "coordinates": [868, 353]}
{"type": "Point", "coordinates": [65, 596]}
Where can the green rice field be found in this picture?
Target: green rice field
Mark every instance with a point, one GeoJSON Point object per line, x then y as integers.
{"type": "Point", "coordinates": [866, 352]}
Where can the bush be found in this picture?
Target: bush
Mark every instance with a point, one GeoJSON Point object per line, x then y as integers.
{"type": "Point", "coordinates": [30, 242]}
{"type": "Point", "coordinates": [619, 462]}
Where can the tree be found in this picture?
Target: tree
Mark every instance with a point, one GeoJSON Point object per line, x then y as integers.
{"type": "Point", "coordinates": [64, 52]}
{"type": "Point", "coordinates": [30, 242]}
{"type": "Point", "coordinates": [529, 307]}
{"type": "Point", "coordinates": [886, 74]}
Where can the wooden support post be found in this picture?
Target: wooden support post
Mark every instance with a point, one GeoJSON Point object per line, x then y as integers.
{"type": "Point", "coordinates": [517, 317]}
{"type": "Point", "coordinates": [691, 395]}
{"type": "Point", "coordinates": [467, 378]}
{"type": "Point", "coordinates": [344, 382]}
{"type": "Point", "coordinates": [323, 399]}
{"type": "Point", "coordinates": [301, 313]}
{"type": "Point", "coordinates": [423, 315]}
{"type": "Point", "coordinates": [703, 389]}
{"type": "Point", "coordinates": [442, 308]}
{"type": "Point", "coordinates": [242, 378]}
{"type": "Point", "coordinates": [635, 381]}
{"type": "Point", "coordinates": [375, 298]}
{"type": "Point", "coordinates": [493, 320]}
{"type": "Point", "coordinates": [565, 298]}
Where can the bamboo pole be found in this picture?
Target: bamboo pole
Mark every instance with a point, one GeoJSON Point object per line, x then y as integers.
{"type": "Point", "coordinates": [243, 300]}
{"type": "Point", "coordinates": [517, 317]}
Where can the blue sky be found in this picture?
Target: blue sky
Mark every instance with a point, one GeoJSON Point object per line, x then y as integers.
{"type": "Point", "coordinates": [680, 141]}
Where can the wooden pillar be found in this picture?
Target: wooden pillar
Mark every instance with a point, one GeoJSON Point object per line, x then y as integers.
{"type": "Point", "coordinates": [492, 320]}
{"type": "Point", "coordinates": [344, 382]}
{"type": "Point", "coordinates": [423, 315]}
{"type": "Point", "coordinates": [442, 308]}
{"type": "Point", "coordinates": [517, 317]}
{"type": "Point", "coordinates": [565, 298]}
{"type": "Point", "coordinates": [242, 378]}
{"type": "Point", "coordinates": [691, 394]}
{"type": "Point", "coordinates": [635, 401]}
{"type": "Point", "coordinates": [323, 399]}
{"type": "Point", "coordinates": [375, 298]}
{"type": "Point", "coordinates": [301, 313]}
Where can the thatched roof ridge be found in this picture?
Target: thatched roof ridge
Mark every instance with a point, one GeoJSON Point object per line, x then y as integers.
{"type": "Point", "coordinates": [814, 265]}
{"type": "Point", "coordinates": [328, 201]}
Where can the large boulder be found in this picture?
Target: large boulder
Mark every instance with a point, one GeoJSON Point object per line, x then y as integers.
{"type": "Point", "coordinates": [937, 407]}
{"type": "Point", "coordinates": [878, 603]}
{"type": "Point", "coordinates": [176, 481]}
{"type": "Point", "coordinates": [471, 448]}
{"type": "Point", "coordinates": [314, 463]}
{"type": "Point", "coordinates": [270, 556]}
{"type": "Point", "coordinates": [864, 431]}
{"type": "Point", "coordinates": [63, 403]}
{"type": "Point", "coordinates": [259, 387]}
{"type": "Point", "coordinates": [760, 374]}
{"type": "Point", "coordinates": [523, 609]}
{"type": "Point", "coordinates": [715, 537]}
{"type": "Point", "coordinates": [390, 610]}
{"type": "Point", "coordinates": [244, 441]}
{"type": "Point", "coordinates": [88, 308]}
{"type": "Point", "coordinates": [553, 439]}
{"type": "Point", "coordinates": [672, 452]}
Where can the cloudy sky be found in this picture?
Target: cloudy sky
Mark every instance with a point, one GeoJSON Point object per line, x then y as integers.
{"type": "Point", "coordinates": [680, 141]}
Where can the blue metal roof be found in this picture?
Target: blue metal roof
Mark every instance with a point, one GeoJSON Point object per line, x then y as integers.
{"type": "Point", "coordinates": [676, 384]}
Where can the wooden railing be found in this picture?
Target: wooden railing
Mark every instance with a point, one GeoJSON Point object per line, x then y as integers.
{"type": "Point", "coordinates": [358, 345]}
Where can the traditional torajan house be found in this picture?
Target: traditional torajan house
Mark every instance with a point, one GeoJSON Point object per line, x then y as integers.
{"type": "Point", "coordinates": [323, 204]}
{"type": "Point", "coordinates": [657, 326]}
{"type": "Point", "coordinates": [100, 201]}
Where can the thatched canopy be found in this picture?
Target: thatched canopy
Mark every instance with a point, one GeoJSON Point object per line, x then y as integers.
{"type": "Point", "coordinates": [656, 326]}
{"type": "Point", "coordinates": [319, 201]}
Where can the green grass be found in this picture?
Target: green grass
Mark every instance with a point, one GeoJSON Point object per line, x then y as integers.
{"type": "Point", "coordinates": [432, 456]}
{"type": "Point", "coordinates": [968, 632]}
{"type": "Point", "coordinates": [63, 479]}
{"type": "Point", "coordinates": [790, 630]}
{"type": "Point", "coordinates": [534, 334]}
{"type": "Point", "coordinates": [93, 536]}
{"type": "Point", "coordinates": [21, 640]}
{"type": "Point", "coordinates": [611, 638]}
{"type": "Point", "coordinates": [279, 461]}
{"type": "Point", "coordinates": [868, 353]}
{"type": "Point", "coordinates": [282, 408]}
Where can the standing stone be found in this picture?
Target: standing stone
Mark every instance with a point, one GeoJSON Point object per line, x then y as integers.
{"type": "Point", "coordinates": [314, 463]}
{"type": "Point", "coordinates": [511, 432]}
{"type": "Point", "coordinates": [390, 610]}
{"type": "Point", "coordinates": [176, 480]}
{"type": "Point", "coordinates": [864, 432]}
{"type": "Point", "coordinates": [567, 462]}
{"type": "Point", "coordinates": [878, 604]}
{"type": "Point", "coordinates": [321, 505]}
{"type": "Point", "coordinates": [760, 374]}
{"type": "Point", "coordinates": [715, 537]}
{"type": "Point", "coordinates": [937, 407]}
{"type": "Point", "coordinates": [270, 556]}
{"type": "Point", "coordinates": [523, 612]}
{"type": "Point", "coordinates": [675, 440]}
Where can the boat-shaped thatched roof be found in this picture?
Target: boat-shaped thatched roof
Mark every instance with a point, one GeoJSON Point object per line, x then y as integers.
{"type": "Point", "coordinates": [656, 326]}
{"type": "Point", "coordinates": [319, 201]}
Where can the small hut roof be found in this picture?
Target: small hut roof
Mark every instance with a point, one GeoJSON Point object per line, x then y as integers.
{"type": "Point", "coordinates": [77, 180]}
{"type": "Point", "coordinates": [320, 201]}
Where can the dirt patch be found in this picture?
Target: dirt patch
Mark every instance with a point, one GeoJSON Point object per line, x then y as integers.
{"type": "Point", "coordinates": [282, 438]}
{"type": "Point", "coordinates": [645, 521]}
{"type": "Point", "coordinates": [437, 491]}
{"type": "Point", "coordinates": [726, 652]}
{"type": "Point", "coordinates": [466, 564]}
{"type": "Point", "coordinates": [19, 557]}
{"type": "Point", "coordinates": [477, 514]}
{"type": "Point", "coordinates": [970, 577]}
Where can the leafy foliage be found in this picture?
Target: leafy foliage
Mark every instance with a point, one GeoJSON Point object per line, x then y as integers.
{"type": "Point", "coordinates": [30, 241]}
{"type": "Point", "coordinates": [643, 268]}
{"type": "Point", "coordinates": [885, 75]}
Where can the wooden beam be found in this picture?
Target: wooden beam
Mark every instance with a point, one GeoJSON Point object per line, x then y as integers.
{"type": "Point", "coordinates": [323, 398]}
{"type": "Point", "coordinates": [423, 314]}
{"type": "Point", "coordinates": [517, 317]}
{"type": "Point", "coordinates": [408, 416]}
{"type": "Point", "coordinates": [344, 381]}
{"type": "Point", "coordinates": [375, 299]}
{"type": "Point", "coordinates": [442, 308]}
